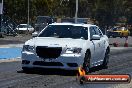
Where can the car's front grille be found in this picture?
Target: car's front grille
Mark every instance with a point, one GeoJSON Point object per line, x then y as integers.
{"type": "Point", "coordinates": [25, 62]}
{"type": "Point", "coordinates": [42, 63]}
{"type": "Point", "coordinates": [48, 52]}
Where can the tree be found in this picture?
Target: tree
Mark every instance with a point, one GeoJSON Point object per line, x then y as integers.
{"type": "Point", "coordinates": [106, 12]}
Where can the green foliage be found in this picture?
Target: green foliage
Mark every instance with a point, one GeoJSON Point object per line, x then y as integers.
{"type": "Point", "coordinates": [106, 12]}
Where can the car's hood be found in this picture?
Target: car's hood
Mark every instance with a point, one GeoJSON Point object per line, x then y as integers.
{"type": "Point", "coordinates": [55, 42]}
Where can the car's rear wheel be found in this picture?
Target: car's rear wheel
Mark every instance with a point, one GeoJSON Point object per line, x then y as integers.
{"type": "Point", "coordinates": [106, 59]}
{"type": "Point", "coordinates": [86, 64]}
{"type": "Point", "coordinates": [114, 36]}
{"type": "Point", "coordinates": [120, 36]}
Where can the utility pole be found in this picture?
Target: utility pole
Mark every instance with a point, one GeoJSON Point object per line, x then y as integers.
{"type": "Point", "coordinates": [76, 11]}
{"type": "Point", "coordinates": [1, 13]}
{"type": "Point", "coordinates": [28, 13]}
{"type": "Point", "coordinates": [28, 16]}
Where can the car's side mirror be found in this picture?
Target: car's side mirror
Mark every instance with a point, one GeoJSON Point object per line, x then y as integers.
{"type": "Point", "coordinates": [95, 37]}
{"type": "Point", "coordinates": [34, 34]}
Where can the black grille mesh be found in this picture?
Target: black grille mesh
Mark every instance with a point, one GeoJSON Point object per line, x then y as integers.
{"type": "Point", "coordinates": [48, 52]}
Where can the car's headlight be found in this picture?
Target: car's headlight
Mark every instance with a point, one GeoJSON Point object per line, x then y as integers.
{"type": "Point", "coordinates": [73, 50]}
{"type": "Point", "coordinates": [28, 48]}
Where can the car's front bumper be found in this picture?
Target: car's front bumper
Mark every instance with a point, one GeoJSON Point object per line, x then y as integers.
{"type": "Point", "coordinates": [65, 61]}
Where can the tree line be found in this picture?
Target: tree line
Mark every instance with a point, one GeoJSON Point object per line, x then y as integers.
{"type": "Point", "coordinates": [105, 12]}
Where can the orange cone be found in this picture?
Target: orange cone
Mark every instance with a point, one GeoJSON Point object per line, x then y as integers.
{"type": "Point", "coordinates": [126, 43]}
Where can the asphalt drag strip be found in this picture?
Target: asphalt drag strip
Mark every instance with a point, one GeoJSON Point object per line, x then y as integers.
{"type": "Point", "coordinates": [12, 76]}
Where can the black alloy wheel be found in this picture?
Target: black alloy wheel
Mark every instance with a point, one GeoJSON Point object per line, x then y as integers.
{"type": "Point", "coordinates": [106, 59]}
{"type": "Point", "coordinates": [86, 64]}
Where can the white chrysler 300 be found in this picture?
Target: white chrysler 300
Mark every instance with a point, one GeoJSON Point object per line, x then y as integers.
{"type": "Point", "coordinates": [66, 46]}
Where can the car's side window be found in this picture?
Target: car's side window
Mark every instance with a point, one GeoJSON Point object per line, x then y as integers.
{"type": "Point", "coordinates": [92, 32]}
{"type": "Point", "coordinates": [96, 30]}
{"type": "Point", "coordinates": [100, 33]}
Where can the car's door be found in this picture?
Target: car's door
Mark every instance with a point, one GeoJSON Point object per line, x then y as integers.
{"type": "Point", "coordinates": [102, 43]}
{"type": "Point", "coordinates": [96, 44]}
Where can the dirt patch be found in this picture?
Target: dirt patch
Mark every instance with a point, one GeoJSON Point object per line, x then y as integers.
{"type": "Point", "coordinates": [20, 39]}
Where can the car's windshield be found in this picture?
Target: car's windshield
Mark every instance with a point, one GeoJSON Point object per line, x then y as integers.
{"type": "Point", "coordinates": [65, 31]}
{"type": "Point", "coordinates": [122, 29]}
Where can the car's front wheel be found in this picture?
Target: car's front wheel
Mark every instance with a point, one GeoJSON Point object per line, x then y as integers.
{"type": "Point", "coordinates": [86, 64]}
{"type": "Point", "coordinates": [106, 59]}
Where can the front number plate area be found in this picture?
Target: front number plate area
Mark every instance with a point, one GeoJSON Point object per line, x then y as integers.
{"type": "Point", "coordinates": [48, 59]}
